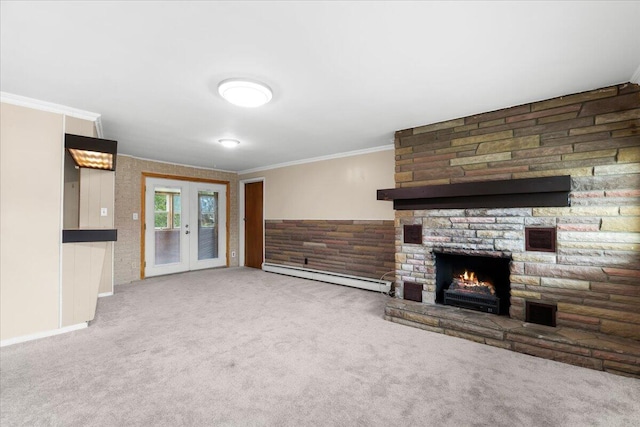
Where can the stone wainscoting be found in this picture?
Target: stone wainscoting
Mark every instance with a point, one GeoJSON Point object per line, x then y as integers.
{"type": "Point", "coordinates": [362, 248]}
{"type": "Point", "coordinates": [593, 277]}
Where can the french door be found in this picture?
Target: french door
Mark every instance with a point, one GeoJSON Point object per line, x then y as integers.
{"type": "Point", "coordinates": [185, 226]}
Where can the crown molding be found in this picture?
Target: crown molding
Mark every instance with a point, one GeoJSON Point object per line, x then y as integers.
{"type": "Point", "coordinates": [99, 130]}
{"type": "Point", "coordinates": [36, 104]}
{"type": "Point", "coordinates": [175, 164]}
{"type": "Point", "coordinates": [635, 78]}
{"type": "Point", "coordinates": [319, 159]}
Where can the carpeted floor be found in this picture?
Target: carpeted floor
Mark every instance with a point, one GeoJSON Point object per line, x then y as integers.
{"type": "Point", "coordinates": [240, 347]}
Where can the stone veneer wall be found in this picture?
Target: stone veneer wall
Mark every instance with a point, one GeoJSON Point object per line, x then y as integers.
{"type": "Point", "coordinates": [128, 176]}
{"type": "Point", "coordinates": [356, 247]}
{"type": "Point", "coordinates": [594, 276]}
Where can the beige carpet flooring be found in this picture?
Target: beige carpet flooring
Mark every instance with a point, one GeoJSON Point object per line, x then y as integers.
{"type": "Point", "coordinates": [240, 347]}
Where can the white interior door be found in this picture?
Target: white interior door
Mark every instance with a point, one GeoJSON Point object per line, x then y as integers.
{"type": "Point", "coordinates": [185, 226]}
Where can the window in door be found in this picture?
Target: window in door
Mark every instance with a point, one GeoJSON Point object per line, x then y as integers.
{"type": "Point", "coordinates": [207, 225]}
{"type": "Point", "coordinates": [167, 219]}
{"type": "Point", "coordinates": [167, 210]}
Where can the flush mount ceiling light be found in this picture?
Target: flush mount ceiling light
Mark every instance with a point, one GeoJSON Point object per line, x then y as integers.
{"type": "Point", "coordinates": [93, 153]}
{"type": "Point", "coordinates": [230, 143]}
{"type": "Point", "coordinates": [245, 93]}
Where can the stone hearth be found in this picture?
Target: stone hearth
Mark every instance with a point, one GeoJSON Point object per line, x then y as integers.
{"type": "Point", "coordinates": [587, 349]}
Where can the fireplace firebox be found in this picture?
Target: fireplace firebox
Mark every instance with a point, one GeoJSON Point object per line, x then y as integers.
{"type": "Point", "coordinates": [474, 282]}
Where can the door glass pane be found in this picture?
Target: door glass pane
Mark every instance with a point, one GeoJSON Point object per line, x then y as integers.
{"type": "Point", "coordinates": [167, 213]}
{"type": "Point", "coordinates": [207, 225]}
{"type": "Point", "coordinates": [177, 210]}
{"type": "Point", "coordinates": [161, 206]}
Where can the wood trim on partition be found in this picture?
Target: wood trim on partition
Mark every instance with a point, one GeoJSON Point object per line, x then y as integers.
{"type": "Point", "coordinates": [183, 178]}
{"type": "Point", "coordinates": [143, 188]}
{"type": "Point", "coordinates": [143, 216]}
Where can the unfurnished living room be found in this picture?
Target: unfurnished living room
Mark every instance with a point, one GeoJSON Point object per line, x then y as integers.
{"type": "Point", "coordinates": [371, 213]}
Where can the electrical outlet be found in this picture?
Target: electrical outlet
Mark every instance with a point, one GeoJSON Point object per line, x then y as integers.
{"type": "Point", "coordinates": [135, 216]}
{"type": "Point", "coordinates": [103, 211]}
{"type": "Point", "coordinates": [233, 254]}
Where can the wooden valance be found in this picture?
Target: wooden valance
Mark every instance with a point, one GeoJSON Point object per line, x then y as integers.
{"type": "Point", "coordinates": [551, 191]}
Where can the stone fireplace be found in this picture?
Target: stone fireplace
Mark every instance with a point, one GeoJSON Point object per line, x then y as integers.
{"type": "Point", "coordinates": [576, 254]}
{"type": "Point", "coordinates": [492, 239]}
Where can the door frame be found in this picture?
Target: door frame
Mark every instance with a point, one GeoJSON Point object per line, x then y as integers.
{"type": "Point", "coordinates": [241, 216]}
{"type": "Point", "coordinates": [143, 189]}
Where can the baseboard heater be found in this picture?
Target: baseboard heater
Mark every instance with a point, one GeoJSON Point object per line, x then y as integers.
{"type": "Point", "coordinates": [327, 276]}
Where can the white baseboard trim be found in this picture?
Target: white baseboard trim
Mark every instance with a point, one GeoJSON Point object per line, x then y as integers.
{"type": "Point", "coordinates": [327, 276]}
{"type": "Point", "coordinates": [105, 294]}
{"type": "Point", "coordinates": [31, 337]}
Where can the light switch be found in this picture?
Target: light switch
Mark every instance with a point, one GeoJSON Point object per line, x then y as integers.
{"type": "Point", "coordinates": [135, 216]}
{"type": "Point", "coordinates": [103, 211]}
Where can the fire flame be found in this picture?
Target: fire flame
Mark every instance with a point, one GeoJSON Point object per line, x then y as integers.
{"type": "Point", "coordinates": [470, 280]}
{"type": "Point", "coordinates": [469, 276]}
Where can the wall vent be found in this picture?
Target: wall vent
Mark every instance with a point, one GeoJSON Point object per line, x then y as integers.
{"type": "Point", "coordinates": [540, 239]}
{"type": "Point", "coordinates": [413, 234]}
{"type": "Point", "coordinates": [412, 291]}
{"type": "Point", "coordinates": [542, 314]}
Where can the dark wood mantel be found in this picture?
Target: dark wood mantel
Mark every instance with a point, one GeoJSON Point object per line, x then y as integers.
{"type": "Point", "coordinates": [552, 191]}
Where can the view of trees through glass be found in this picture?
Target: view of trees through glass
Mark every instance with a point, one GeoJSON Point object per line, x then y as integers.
{"type": "Point", "coordinates": [208, 204]}
{"type": "Point", "coordinates": [167, 209]}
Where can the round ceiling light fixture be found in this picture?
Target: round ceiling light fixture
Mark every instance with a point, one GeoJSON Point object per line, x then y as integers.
{"type": "Point", "coordinates": [229, 143]}
{"type": "Point", "coordinates": [245, 93]}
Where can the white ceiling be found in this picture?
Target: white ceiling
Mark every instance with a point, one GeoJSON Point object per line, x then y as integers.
{"type": "Point", "coordinates": [345, 75]}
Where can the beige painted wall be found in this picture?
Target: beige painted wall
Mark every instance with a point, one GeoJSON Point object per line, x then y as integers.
{"type": "Point", "coordinates": [31, 147]}
{"type": "Point", "coordinates": [78, 126]}
{"type": "Point", "coordinates": [342, 188]}
{"type": "Point", "coordinates": [128, 201]}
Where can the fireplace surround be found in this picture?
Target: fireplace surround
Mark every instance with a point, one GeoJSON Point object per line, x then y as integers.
{"type": "Point", "coordinates": [574, 257]}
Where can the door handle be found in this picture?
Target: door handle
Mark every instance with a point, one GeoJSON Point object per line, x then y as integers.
{"type": "Point", "coordinates": [186, 232]}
